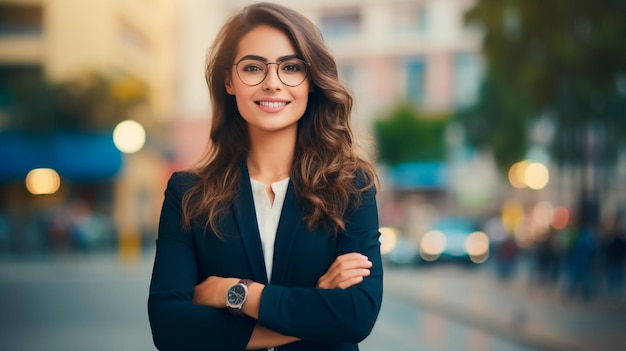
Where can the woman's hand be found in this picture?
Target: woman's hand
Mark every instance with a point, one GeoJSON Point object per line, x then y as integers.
{"type": "Point", "coordinates": [212, 291]}
{"type": "Point", "coordinates": [347, 270]}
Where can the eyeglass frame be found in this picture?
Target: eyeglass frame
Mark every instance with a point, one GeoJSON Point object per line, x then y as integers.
{"type": "Point", "coordinates": [267, 64]}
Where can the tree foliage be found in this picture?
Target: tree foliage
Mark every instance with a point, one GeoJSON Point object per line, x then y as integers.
{"type": "Point", "coordinates": [564, 59]}
{"type": "Point", "coordinates": [91, 102]}
{"type": "Point", "coordinates": [404, 135]}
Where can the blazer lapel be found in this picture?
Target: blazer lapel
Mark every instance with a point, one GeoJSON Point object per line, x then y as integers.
{"type": "Point", "coordinates": [290, 220]}
{"type": "Point", "coordinates": [245, 215]}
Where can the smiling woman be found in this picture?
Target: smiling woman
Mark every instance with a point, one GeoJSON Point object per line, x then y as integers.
{"type": "Point", "coordinates": [272, 241]}
{"type": "Point", "coordinates": [259, 89]}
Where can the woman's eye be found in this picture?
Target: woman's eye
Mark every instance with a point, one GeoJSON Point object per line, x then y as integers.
{"type": "Point", "coordinates": [253, 68]}
{"type": "Point", "coordinates": [291, 67]}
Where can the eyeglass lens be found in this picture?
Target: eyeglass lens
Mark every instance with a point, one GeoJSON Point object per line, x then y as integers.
{"type": "Point", "coordinates": [290, 72]}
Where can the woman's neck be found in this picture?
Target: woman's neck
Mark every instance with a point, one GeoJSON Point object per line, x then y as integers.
{"type": "Point", "coordinates": [271, 156]}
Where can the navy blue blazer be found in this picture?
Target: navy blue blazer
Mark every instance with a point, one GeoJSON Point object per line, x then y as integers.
{"type": "Point", "coordinates": [324, 319]}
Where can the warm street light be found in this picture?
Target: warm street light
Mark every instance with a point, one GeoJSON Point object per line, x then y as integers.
{"type": "Point", "coordinates": [536, 176]}
{"type": "Point", "coordinates": [388, 239]}
{"type": "Point", "coordinates": [43, 181]}
{"type": "Point", "coordinates": [129, 136]}
{"type": "Point", "coordinates": [516, 174]}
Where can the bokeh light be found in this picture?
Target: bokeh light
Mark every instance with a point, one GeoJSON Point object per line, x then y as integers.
{"type": "Point", "coordinates": [536, 176]}
{"type": "Point", "coordinates": [477, 244]}
{"type": "Point", "coordinates": [43, 181]}
{"type": "Point", "coordinates": [517, 176]}
{"type": "Point", "coordinates": [432, 245]}
{"type": "Point", "coordinates": [388, 239]}
{"type": "Point", "coordinates": [560, 218]}
{"type": "Point", "coordinates": [541, 217]}
{"type": "Point", "coordinates": [129, 136]}
{"type": "Point", "coordinates": [512, 215]}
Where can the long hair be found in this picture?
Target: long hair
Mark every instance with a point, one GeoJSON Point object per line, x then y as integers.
{"type": "Point", "coordinates": [326, 160]}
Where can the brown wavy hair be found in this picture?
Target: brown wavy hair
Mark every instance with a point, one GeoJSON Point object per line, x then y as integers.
{"type": "Point", "coordinates": [326, 159]}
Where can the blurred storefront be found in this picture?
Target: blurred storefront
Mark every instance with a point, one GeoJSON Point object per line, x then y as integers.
{"type": "Point", "coordinates": [104, 198]}
{"type": "Point", "coordinates": [415, 51]}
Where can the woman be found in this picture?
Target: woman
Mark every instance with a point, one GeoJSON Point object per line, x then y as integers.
{"type": "Point", "coordinates": [273, 241]}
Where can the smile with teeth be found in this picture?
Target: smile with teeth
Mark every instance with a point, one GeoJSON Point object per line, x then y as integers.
{"type": "Point", "coordinates": [272, 104]}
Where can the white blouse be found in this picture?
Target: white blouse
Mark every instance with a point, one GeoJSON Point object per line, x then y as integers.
{"type": "Point", "coordinates": [268, 216]}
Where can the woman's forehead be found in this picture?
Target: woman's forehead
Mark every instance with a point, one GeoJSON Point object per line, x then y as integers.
{"type": "Point", "coordinates": [266, 42]}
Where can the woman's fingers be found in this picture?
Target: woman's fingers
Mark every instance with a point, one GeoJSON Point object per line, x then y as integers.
{"type": "Point", "coordinates": [347, 270]}
{"type": "Point", "coordinates": [343, 279]}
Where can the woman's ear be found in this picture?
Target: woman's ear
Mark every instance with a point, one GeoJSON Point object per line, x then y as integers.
{"type": "Point", "coordinates": [228, 83]}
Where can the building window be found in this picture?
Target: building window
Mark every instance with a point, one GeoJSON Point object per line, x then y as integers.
{"type": "Point", "coordinates": [416, 80]}
{"type": "Point", "coordinates": [21, 20]}
{"type": "Point", "coordinates": [338, 24]}
{"type": "Point", "coordinates": [466, 79]}
{"type": "Point", "coordinates": [134, 40]}
{"type": "Point", "coordinates": [411, 18]}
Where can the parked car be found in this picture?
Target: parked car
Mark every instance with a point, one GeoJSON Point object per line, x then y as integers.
{"type": "Point", "coordinates": [403, 253]}
{"type": "Point", "coordinates": [447, 239]}
{"type": "Point", "coordinates": [454, 238]}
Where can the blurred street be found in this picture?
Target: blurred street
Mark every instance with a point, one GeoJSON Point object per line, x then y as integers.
{"type": "Point", "coordinates": [76, 302]}
{"type": "Point", "coordinates": [98, 302]}
{"type": "Point", "coordinates": [498, 135]}
{"type": "Point", "coordinates": [515, 311]}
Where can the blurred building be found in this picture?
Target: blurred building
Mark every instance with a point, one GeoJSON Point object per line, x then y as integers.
{"type": "Point", "coordinates": [66, 38]}
{"type": "Point", "coordinates": [387, 51]}
{"type": "Point", "coordinates": [131, 42]}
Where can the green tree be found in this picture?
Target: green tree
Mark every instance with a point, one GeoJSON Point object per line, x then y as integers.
{"type": "Point", "coordinates": [405, 135]}
{"type": "Point", "coordinates": [563, 60]}
{"type": "Point", "coordinates": [498, 121]}
{"type": "Point", "coordinates": [93, 102]}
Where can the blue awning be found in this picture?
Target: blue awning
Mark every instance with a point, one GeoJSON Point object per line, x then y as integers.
{"type": "Point", "coordinates": [420, 176]}
{"type": "Point", "coordinates": [75, 156]}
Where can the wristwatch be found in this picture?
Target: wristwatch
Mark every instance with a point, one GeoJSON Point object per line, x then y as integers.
{"type": "Point", "coordinates": [236, 296]}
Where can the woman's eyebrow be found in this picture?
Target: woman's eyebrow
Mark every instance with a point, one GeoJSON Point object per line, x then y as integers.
{"type": "Point", "coordinates": [264, 59]}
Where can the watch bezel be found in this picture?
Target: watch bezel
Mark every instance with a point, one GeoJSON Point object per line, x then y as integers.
{"type": "Point", "coordinates": [239, 304]}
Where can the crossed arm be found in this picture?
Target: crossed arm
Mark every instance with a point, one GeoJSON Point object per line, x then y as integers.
{"type": "Point", "coordinates": [347, 270]}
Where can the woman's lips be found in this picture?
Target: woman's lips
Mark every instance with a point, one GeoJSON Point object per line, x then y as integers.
{"type": "Point", "coordinates": [272, 106]}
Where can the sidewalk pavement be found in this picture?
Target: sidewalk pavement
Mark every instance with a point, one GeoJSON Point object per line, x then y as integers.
{"type": "Point", "coordinates": [539, 318]}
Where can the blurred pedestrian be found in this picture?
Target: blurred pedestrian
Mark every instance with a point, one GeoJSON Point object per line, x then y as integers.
{"type": "Point", "coordinates": [580, 261]}
{"type": "Point", "coordinates": [548, 259]}
{"type": "Point", "coordinates": [506, 258]}
{"type": "Point", "coordinates": [274, 239]}
{"type": "Point", "coordinates": [615, 256]}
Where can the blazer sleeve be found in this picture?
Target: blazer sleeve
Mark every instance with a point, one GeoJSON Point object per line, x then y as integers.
{"type": "Point", "coordinates": [176, 322]}
{"type": "Point", "coordinates": [333, 315]}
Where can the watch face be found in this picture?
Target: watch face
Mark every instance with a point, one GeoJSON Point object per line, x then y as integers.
{"type": "Point", "coordinates": [236, 295]}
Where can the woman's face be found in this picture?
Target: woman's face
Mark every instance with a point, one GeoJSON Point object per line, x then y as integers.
{"type": "Point", "coordinates": [271, 105]}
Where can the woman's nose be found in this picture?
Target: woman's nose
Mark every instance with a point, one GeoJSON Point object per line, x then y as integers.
{"type": "Point", "coordinates": [272, 81]}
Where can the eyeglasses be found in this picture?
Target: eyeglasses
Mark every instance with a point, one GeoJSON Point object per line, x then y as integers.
{"type": "Point", "coordinates": [291, 72]}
